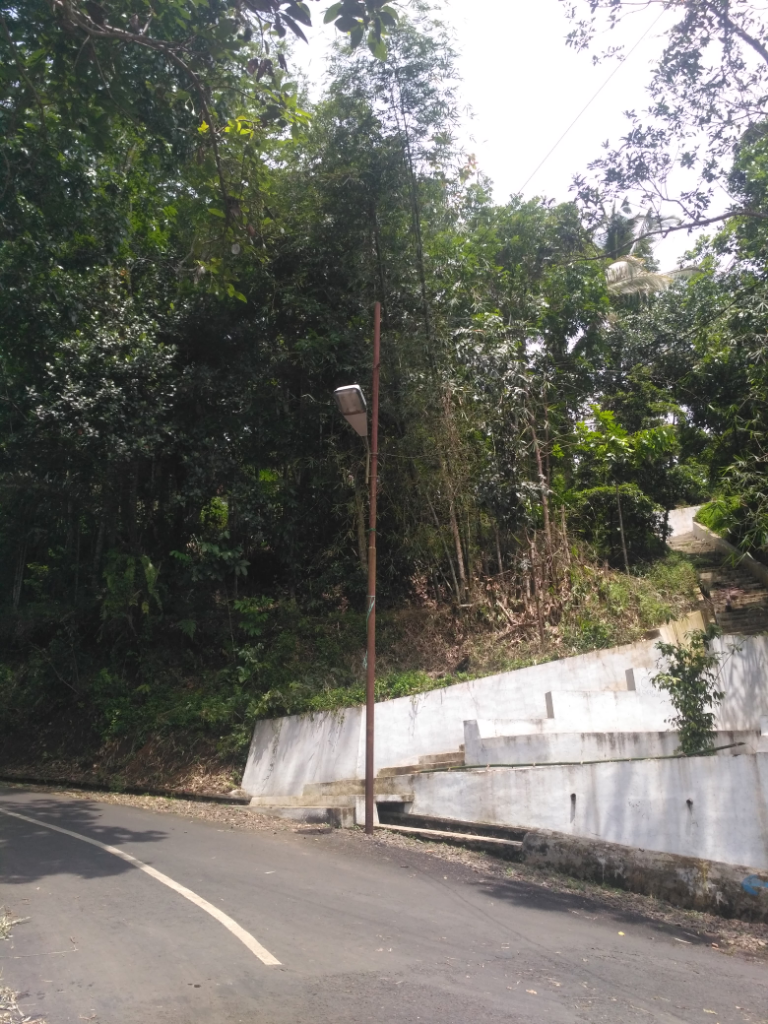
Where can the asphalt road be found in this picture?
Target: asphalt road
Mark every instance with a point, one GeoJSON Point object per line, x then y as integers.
{"type": "Point", "coordinates": [363, 932]}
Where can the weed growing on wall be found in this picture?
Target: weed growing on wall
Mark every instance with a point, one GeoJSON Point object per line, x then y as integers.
{"type": "Point", "coordinates": [691, 679]}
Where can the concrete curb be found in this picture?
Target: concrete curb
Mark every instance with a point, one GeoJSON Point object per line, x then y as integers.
{"type": "Point", "coordinates": [98, 787]}
{"type": "Point", "coordinates": [723, 889]}
{"type": "Point", "coordinates": [743, 558]}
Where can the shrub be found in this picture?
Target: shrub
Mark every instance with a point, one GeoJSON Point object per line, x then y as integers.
{"type": "Point", "coordinates": [594, 515]}
{"type": "Point", "coordinates": [691, 682]}
{"type": "Point", "coordinates": [722, 514]}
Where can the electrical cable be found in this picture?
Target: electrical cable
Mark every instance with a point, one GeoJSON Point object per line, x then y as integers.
{"type": "Point", "coordinates": [591, 101]}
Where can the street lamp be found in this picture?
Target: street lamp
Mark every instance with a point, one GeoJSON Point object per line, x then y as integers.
{"type": "Point", "coordinates": [351, 403]}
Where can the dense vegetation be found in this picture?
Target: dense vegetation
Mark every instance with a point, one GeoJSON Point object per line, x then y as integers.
{"type": "Point", "coordinates": [189, 256]}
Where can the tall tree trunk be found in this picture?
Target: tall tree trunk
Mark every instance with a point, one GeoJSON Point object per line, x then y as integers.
{"type": "Point", "coordinates": [131, 509]}
{"type": "Point", "coordinates": [456, 587]}
{"type": "Point", "coordinates": [99, 546]}
{"type": "Point", "coordinates": [621, 530]}
{"type": "Point", "coordinates": [536, 588]}
{"type": "Point", "coordinates": [77, 561]}
{"type": "Point", "coordinates": [459, 553]}
{"type": "Point", "coordinates": [565, 535]}
{"type": "Point", "coordinates": [18, 576]}
{"type": "Point", "coordinates": [543, 483]}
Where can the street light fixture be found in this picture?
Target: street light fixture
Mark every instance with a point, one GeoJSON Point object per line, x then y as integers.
{"type": "Point", "coordinates": [351, 403]}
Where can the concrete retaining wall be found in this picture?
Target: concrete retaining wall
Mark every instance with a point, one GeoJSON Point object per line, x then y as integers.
{"type": "Point", "coordinates": [725, 889]}
{"type": "Point", "coordinates": [744, 678]}
{"type": "Point", "coordinates": [680, 520]}
{"type": "Point", "coordinates": [712, 808]}
{"type": "Point", "coordinates": [743, 558]}
{"type": "Point", "coordinates": [290, 753]}
{"type": "Point", "coordinates": [287, 754]}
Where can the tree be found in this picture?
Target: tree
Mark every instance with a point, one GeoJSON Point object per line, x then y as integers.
{"type": "Point", "coordinates": [188, 73]}
{"type": "Point", "coordinates": [706, 89]}
{"type": "Point", "coordinates": [691, 680]}
{"type": "Point", "coordinates": [611, 454]}
{"type": "Point", "coordinates": [176, 482]}
{"type": "Point", "coordinates": [631, 281]}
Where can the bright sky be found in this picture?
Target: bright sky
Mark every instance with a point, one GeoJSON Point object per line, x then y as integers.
{"type": "Point", "coordinates": [525, 87]}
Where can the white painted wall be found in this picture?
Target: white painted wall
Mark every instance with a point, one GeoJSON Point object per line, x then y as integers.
{"type": "Point", "coordinates": [588, 725]}
{"type": "Point", "coordinates": [643, 804]}
{"type": "Point", "coordinates": [287, 754]}
{"type": "Point", "coordinates": [590, 711]}
{"type": "Point", "coordinates": [290, 753]}
{"type": "Point", "coordinates": [744, 678]}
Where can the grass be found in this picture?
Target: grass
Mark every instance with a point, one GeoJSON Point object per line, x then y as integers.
{"type": "Point", "coordinates": [422, 650]}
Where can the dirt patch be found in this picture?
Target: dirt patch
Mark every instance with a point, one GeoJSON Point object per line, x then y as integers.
{"type": "Point", "coordinates": [731, 937]}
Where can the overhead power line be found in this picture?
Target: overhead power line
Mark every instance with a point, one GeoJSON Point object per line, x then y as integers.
{"type": "Point", "coordinates": [591, 101]}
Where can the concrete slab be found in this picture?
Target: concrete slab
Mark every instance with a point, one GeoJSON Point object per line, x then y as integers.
{"type": "Point", "coordinates": [487, 744]}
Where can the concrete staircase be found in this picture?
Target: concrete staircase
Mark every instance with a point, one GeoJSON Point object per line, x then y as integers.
{"type": "Point", "coordinates": [738, 600]}
{"type": "Point", "coordinates": [340, 804]}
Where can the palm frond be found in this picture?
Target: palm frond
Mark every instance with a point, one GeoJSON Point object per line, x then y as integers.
{"type": "Point", "coordinates": [629, 277]}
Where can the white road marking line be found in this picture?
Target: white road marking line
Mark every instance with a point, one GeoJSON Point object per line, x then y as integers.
{"type": "Point", "coordinates": [245, 937]}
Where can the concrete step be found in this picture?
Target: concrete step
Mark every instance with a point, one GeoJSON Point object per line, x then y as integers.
{"type": "Point", "coordinates": [496, 839]}
{"type": "Point", "coordinates": [337, 817]}
{"type": "Point", "coordinates": [343, 811]}
{"type": "Point", "coordinates": [329, 791]}
{"type": "Point", "coordinates": [337, 800]}
{"type": "Point", "coordinates": [739, 600]}
{"type": "Point", "coordinates": [509, 846]}
{"type": "Point", "coordinates": [430, 762]}
{"type": "Point", "coordinates": [454, 756]}
{"type": "Point", "coordinates": [335, 794]}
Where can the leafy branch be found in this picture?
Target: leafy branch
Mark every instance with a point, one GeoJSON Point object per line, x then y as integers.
{"type": "Point", "coordinates": [691, 679]}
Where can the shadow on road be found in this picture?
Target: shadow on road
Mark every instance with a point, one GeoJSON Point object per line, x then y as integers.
{"type": "Point", "coordinates": [529, 894]}
{"type": "Point", "coordinates": [30, 852]}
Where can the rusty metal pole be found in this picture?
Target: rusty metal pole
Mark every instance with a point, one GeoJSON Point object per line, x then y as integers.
{"type": "Point", "coordinates": [371, 679]}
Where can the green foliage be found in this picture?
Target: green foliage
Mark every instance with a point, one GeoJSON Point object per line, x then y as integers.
{"type": "Point", "coordinates": [609, 453]}
{"type": "Point", "coordinates": [689, 483]}
{"type": "Point", "coordinates": [187, 275]}
{"type": "Point", "coordinates": [606, 609]}
{"type": "Point", "coordinates": [130, 583]}
{"type": "Point", "coordinates": [593, 514]}
{"type": "Point", "coordinates": [691, 680]}
{"type": "Point", "coordinates": [721, 514]}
